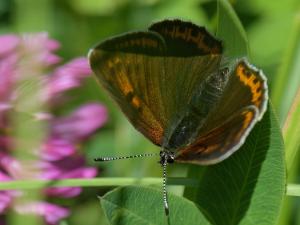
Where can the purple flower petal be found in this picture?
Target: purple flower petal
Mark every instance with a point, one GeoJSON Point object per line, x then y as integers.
{"type": "Point", "coordinates": [68, 76]}
{"type": "Point", "coordinates": [6, 197]}
{"type": "Point", "coordinates": [57, 149]}
{"type": "Point", "coordinates": [4, 107]}
{"type": "Point", "coordinates": [71, 167]}
{"type": "Point", "coordinates": [68, 192]}
{"type": "Point", "coordinates": [10, 165]}
{"type": "Point", "coordinates": [7, 78]}
{"type": "Point", "coordinates": [35, 43]}
{"type": "Point", "coordinates": [65, 192]}
{"type": "Point", "coordinates": [51, 213]}
{"type": "Point", "coordinates": [81, 123]}
{"type": "Point", "coordinates": [36, 49]}
{"type": "Point", "coordinates": [78, 67]}
{"type": "Point", "coordinates": [52, 45]}
{"type": "Point", "coordinates": [5, 201]}
{"type": "Point", "coordinates": [50, 59]}
{"type": "Point", "coordinates": [22, 58]}
{"type": "Point", "coordinates": [8, 43]}
{"type": "Point", "coordinates": [4, 177]}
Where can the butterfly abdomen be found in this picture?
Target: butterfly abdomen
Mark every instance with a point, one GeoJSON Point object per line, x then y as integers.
{"type": "Point", "coordinates": [203, 101]}
{"type": "Point", "coordinates": [208, 94]}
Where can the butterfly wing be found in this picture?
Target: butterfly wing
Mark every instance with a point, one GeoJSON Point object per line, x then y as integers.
{"type": "Point", "coordinates": [242, 104]}
{"type": "Point", "coordinates": [148, 82]}
{"type": "Point", "coordinates": [185, 39]}
{"type": "Point", "coordinates": [192, 54]}
{"type": "Point", "coordinates": [124, 67]}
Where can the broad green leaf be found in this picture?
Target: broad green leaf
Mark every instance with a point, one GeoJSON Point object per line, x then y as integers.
{"type": "Point", "coordinates": [229, 26]}
{"type": "Point", "coordinates": [247, 188]}
{"type": "Point", "coordinates": [288, 80]}
{"type": "Point", "coordinates": [143, 205]}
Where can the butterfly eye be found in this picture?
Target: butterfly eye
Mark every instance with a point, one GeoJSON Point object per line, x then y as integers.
{"type": "Point", "coordinates": [170, 160]}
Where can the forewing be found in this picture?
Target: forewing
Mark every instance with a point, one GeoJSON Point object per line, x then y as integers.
{"type": "Point", "coordinates": [192, 54]}
{"type": "Point", "coordinates": [130, 67]}
{"type": "Point", "coordinates": [185, 39]}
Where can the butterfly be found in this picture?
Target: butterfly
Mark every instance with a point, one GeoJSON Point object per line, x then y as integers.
{"type": "Point", "coordinates": [172, 84]}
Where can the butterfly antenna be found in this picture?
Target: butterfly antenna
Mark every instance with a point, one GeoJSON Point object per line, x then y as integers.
{"type": "Point", "coordinates": [102, 159]}
{"type": "Point", "coordinates": [165, 194]}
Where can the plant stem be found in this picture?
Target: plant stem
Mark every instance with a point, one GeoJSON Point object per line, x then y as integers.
{"type": "Point", "coordinates": [96, 182]}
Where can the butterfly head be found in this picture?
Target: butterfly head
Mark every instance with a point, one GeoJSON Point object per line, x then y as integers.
{"type": "Point", "coordinates": [166, 156]}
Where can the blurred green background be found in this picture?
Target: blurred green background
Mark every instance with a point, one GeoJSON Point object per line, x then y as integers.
{"type": "Point", "coordinates": [273, 30]}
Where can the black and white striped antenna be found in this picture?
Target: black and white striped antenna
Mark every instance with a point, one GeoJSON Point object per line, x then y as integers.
{"type": "Point", "coordinates": [103, 159]}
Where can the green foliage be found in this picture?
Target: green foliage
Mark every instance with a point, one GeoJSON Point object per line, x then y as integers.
{"type": "Point", "coordinates": [144, 206]}
{"type": "Point", "coordinates": [247, 188]}
{"type": "Point", "coordinates": [288, 74]}
{"type": "Point", "coordinates": [231, 31]}
{"type": "Point", "coordinates": [292, 132]}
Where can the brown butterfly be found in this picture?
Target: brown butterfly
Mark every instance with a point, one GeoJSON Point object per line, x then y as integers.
{"type": "Point", "coordinates": [173, 86]}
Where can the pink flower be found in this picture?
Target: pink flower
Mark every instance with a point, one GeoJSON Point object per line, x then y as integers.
{"type": "Point", "coordinates": [31, 57]}
{"type": "Point", "coordinates": [68, 76]}
{"type": "Point", "coordinates": [52, 213]}
{"type": "Point", "coordinates": [80, 124]}
{"type": "Point", "coordinates": [8, 44]}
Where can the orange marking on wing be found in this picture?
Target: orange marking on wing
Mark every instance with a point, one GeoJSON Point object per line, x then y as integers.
{"type": "Point", "coordinates": [110, 64]}
{"type": "Point", "coordinates": [113, 61]}
{"type": "Point", "coordinates": [187, 35]}
{"type": "Point", "coordinates": [248, 118]}
{"type": "Point", "coordinates": [179, 34]}
{"type": "Point", "coordinates": [149, 43]}
{"type": "Point", "coordinates": [248, 77]}
{"type": "Point", "coordinates": [126, 88]}
{"type": "Point", "coordinates": [136, 102]}
{"type": "Point", "coordinates": [125, 85]}
{"type": "Point", "coordinates": [211, 148]}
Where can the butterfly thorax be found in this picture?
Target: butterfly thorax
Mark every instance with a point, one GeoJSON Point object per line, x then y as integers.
{"type": "Point", "coordinates": [204, 100]}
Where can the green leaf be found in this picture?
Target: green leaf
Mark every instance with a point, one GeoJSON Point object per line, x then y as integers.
{"type": "Point", "coordinates": [144, 205]}
{"type": "Point", "coordinates": [231, 31]}
{"type": "Point", "coordinates": [287, 80]}
{"type": "Point", "coordinates": [293, 190]}
{"type": "Point", "coordinates": [291, 131]}
{"type": "Point", "coordinates": [247, 188]}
